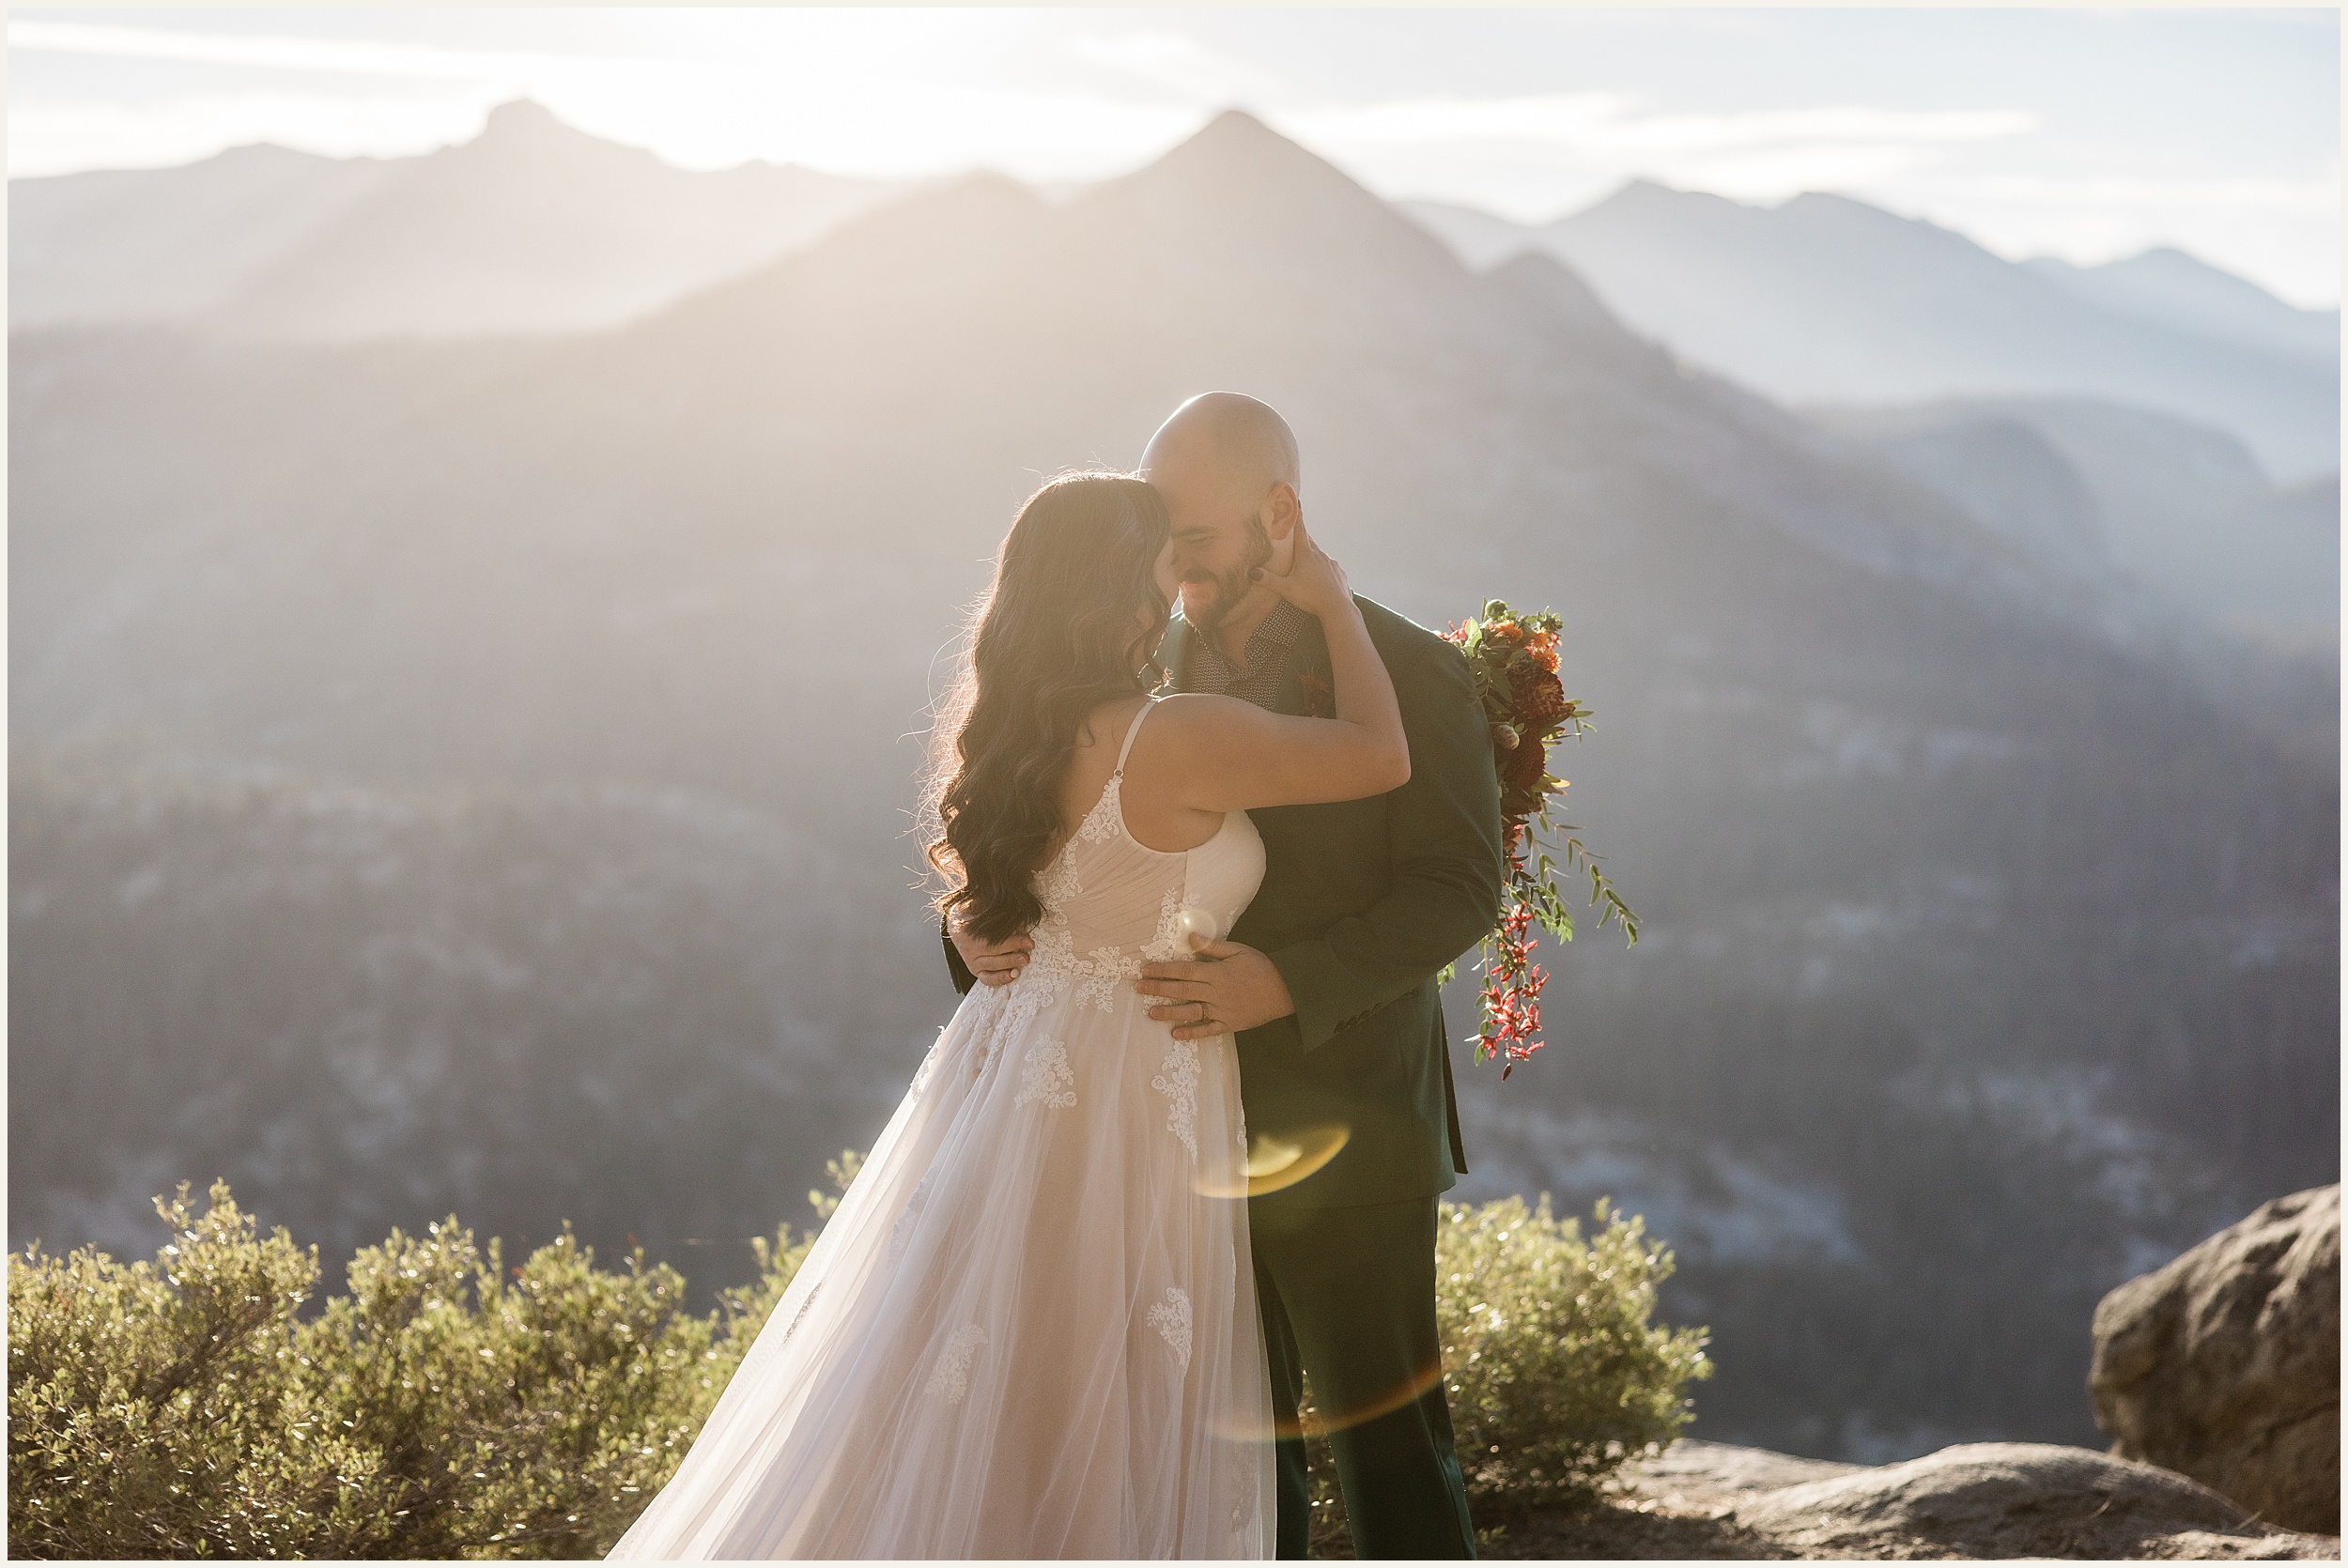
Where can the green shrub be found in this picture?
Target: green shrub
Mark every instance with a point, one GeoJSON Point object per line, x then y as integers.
{"type": "Point", "coordinates": [1554, 1373]}
{"type": "Point", "coordinates": [441, 1410]}
{"type": "Point", "coordinates": [450, 1406]}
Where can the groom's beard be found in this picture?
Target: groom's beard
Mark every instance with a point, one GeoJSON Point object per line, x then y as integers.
{"type": "Point", "coordinates": [1232, 586]}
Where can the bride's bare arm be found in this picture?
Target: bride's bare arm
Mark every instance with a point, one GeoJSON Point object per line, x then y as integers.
{"type": "Point", "coordinates": [1221, 754]}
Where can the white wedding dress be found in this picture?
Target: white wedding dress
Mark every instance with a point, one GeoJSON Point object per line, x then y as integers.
{"type": "Point", "coordinates": [1030, 1329]}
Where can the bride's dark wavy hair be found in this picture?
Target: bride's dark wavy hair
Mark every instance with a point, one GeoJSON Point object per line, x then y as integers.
{"type": "Point", "coordinates": [1052, 640]}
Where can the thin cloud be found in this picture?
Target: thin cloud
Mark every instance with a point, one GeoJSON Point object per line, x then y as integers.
{"type": "Point", "coordinates": [1769, 173]}
{"type": "Point", "coordinates": [1713, 133]}
{"type": "Point", "coordinates": [1180, 65]}
{"type": "Point", "coordinates": [56, 138]}
{"type": "Point", "coordinates": [1599, 123]}
{"type": "Point", "coordinates": [330, 56]}
{"type": "Point", "coordinates": [2298, 195]}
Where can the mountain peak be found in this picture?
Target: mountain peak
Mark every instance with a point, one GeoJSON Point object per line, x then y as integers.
{"type": "Point", "coordinates": [523, 139]}
{"type": "Point", "coordinates": [1236, 164]}
{"type": "Point", "coordinates": [2170, 264]}
{"type": "Point", "coordinates": [1639, 198]}
{"type": "Point", "coordinates": [1237, 123]}
{"type": "Point", "coordinates": [1214, 206]}
{"type": "Point", "coordinates": [519, 119]}
{"type": "Point", "coordinates": [1236, 145]}
{"type": "Point", "coordinates": [1833, 206]}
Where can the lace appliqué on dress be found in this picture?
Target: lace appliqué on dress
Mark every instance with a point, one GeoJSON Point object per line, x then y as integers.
{"type": "Point", "coordinates": [800, 1317]}
{"type": "Point", "coordinates": [901, 1234]}
{"type": "Point", "coordinates": [1178, 1080]}
{"type": "Point", "coordinates": [928, 1070]}
{"type": "Point", "coordinates": [1058, 883]}
{"type": "Point", "coordinates": [1047, 1080]}
{"type": "Point", "coordinates": [1171, 1320]}
{"type": "Point", "coordinates": [1004, 1012]}
{"type": "Point", "coordinates": [1106, 813]}
{"type": "Point", "coordinates": [1096, 976]}
{"type": "Point", "coordinates": [951, 1381]}
{"type": "Point", "coordinates": [1099, 974]}
{"type": "Point", "coordinates": [1167, 943]}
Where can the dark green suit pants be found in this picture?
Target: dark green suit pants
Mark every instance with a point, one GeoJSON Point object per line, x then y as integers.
{"type": "Point", "coordinates": [1347, 1298]}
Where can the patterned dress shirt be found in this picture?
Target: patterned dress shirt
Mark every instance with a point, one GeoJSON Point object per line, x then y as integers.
{"type": "Point", "coordinates": [1269, 647]}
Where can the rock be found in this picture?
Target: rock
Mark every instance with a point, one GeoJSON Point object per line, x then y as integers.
{"type": "Point", "coordinates": [1692, 1474]}
{"type": "Point", "coordinates": [2225, 1365]}
{"type": "Point", "coordinates": [2014, 1499]}
{"type": "Point", "coordinates": [1714, 1500]}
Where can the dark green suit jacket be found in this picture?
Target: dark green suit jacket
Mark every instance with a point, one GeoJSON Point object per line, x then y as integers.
{"type": "Point", "coordinates": [1363, 904]}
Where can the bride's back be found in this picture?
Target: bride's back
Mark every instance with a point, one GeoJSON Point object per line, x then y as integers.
{"type": "Point", "coordinates": [1110, 900]}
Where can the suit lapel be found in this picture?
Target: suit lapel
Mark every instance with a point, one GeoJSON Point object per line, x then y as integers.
{"type": "Point", "coordinates": [1304, 688]}
{"type": "Point", "coordinates": [1174, 652]}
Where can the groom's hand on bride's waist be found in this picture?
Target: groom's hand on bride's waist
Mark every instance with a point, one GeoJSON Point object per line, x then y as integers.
{"type": "Point", "coordinates": [1227, 988]}
{"type": "Point", "coordinates": [994, 964]}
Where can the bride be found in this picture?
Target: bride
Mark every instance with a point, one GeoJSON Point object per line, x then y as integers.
{"type": "Point", "coordinates": [1030, 1329]}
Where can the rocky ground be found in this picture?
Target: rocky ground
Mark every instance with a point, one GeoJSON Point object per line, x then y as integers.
{"type": "Point", "coordinates": [1979, 1501]}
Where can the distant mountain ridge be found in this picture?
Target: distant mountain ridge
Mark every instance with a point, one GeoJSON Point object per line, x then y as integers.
{"type": "Point", "coordinates": [154, 245]}
{"type": "Point", "coordinates": [2166, 285]}
{"type": "Point", "coordinates": [532, 227]}
{"type": "Point", "coordinates": [1823, 299]}
{"type": "Point", "coordinates": [2177, 508]}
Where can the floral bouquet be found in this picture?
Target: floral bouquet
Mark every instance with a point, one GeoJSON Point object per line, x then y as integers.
{"type": "Point", "coordinates": [1514, 660]}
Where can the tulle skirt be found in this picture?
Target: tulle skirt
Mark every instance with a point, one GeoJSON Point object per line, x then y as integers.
{"type": "Point", "coordinates": [1028, 1330]}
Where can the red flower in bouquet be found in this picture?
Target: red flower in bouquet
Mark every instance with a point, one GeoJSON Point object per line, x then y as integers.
{"type": "Point", "coordinates": [1522, 766]}
{"type": "Point", "coordinates": [1514, 661]}
{"type": "Point", "coordinates": [1538, 695]}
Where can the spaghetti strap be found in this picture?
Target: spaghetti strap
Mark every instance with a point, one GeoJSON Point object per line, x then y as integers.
{"type": "Point", "coordinates": [1132, 730]}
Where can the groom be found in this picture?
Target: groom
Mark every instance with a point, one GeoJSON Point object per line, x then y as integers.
{"type": "Point", "coordinates": [1329, 984]}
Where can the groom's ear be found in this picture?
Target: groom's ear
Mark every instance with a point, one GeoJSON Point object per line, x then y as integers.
{"type": "Point", "coordinates": [1280, 511]}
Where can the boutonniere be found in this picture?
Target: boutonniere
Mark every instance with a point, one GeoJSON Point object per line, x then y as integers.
{"type": "Point", "coordinates": [1319, 696]}
{"type": "Point", "coordinates": [1514, 659]}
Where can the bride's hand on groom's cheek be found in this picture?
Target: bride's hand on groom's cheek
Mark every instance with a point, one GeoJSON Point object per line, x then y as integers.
{"type": "Point", "coordinates": [994, 964]}
{"type": "Point", "coordinates": [1237, 988]}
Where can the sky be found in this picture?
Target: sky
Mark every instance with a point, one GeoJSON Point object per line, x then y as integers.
{"type": "Point", "coordinates": [2085, 134]}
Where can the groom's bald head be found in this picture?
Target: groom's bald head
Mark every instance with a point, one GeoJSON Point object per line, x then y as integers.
{"type": "Point", "coordinates": [1244, 440]}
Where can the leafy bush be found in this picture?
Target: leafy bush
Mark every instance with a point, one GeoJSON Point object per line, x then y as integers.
{"type": "Point", "coordinates": [1554, 1372]}
{"type": "Point", "coordinates": [451, 1406]}
{"type": "Point", "coordinates": [182, 1408]}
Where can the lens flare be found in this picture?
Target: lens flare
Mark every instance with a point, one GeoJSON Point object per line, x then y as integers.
{"type": "Point", "coordinates": [1408, 1391]}
{"type": "Point", "coordinates": [1276, 1161]}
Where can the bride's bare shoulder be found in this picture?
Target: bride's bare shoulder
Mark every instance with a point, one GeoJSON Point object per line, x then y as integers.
{"type": "Point", "coordinates": [1197, 711]}
{"type": "Point", "coordinates": [1193, 730]}
{"type": "Point", "coordinates": [1106, 723]}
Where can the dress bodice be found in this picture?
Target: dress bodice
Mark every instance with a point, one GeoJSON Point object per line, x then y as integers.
{"type": "Point", "coordinates": [1111, 904]}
